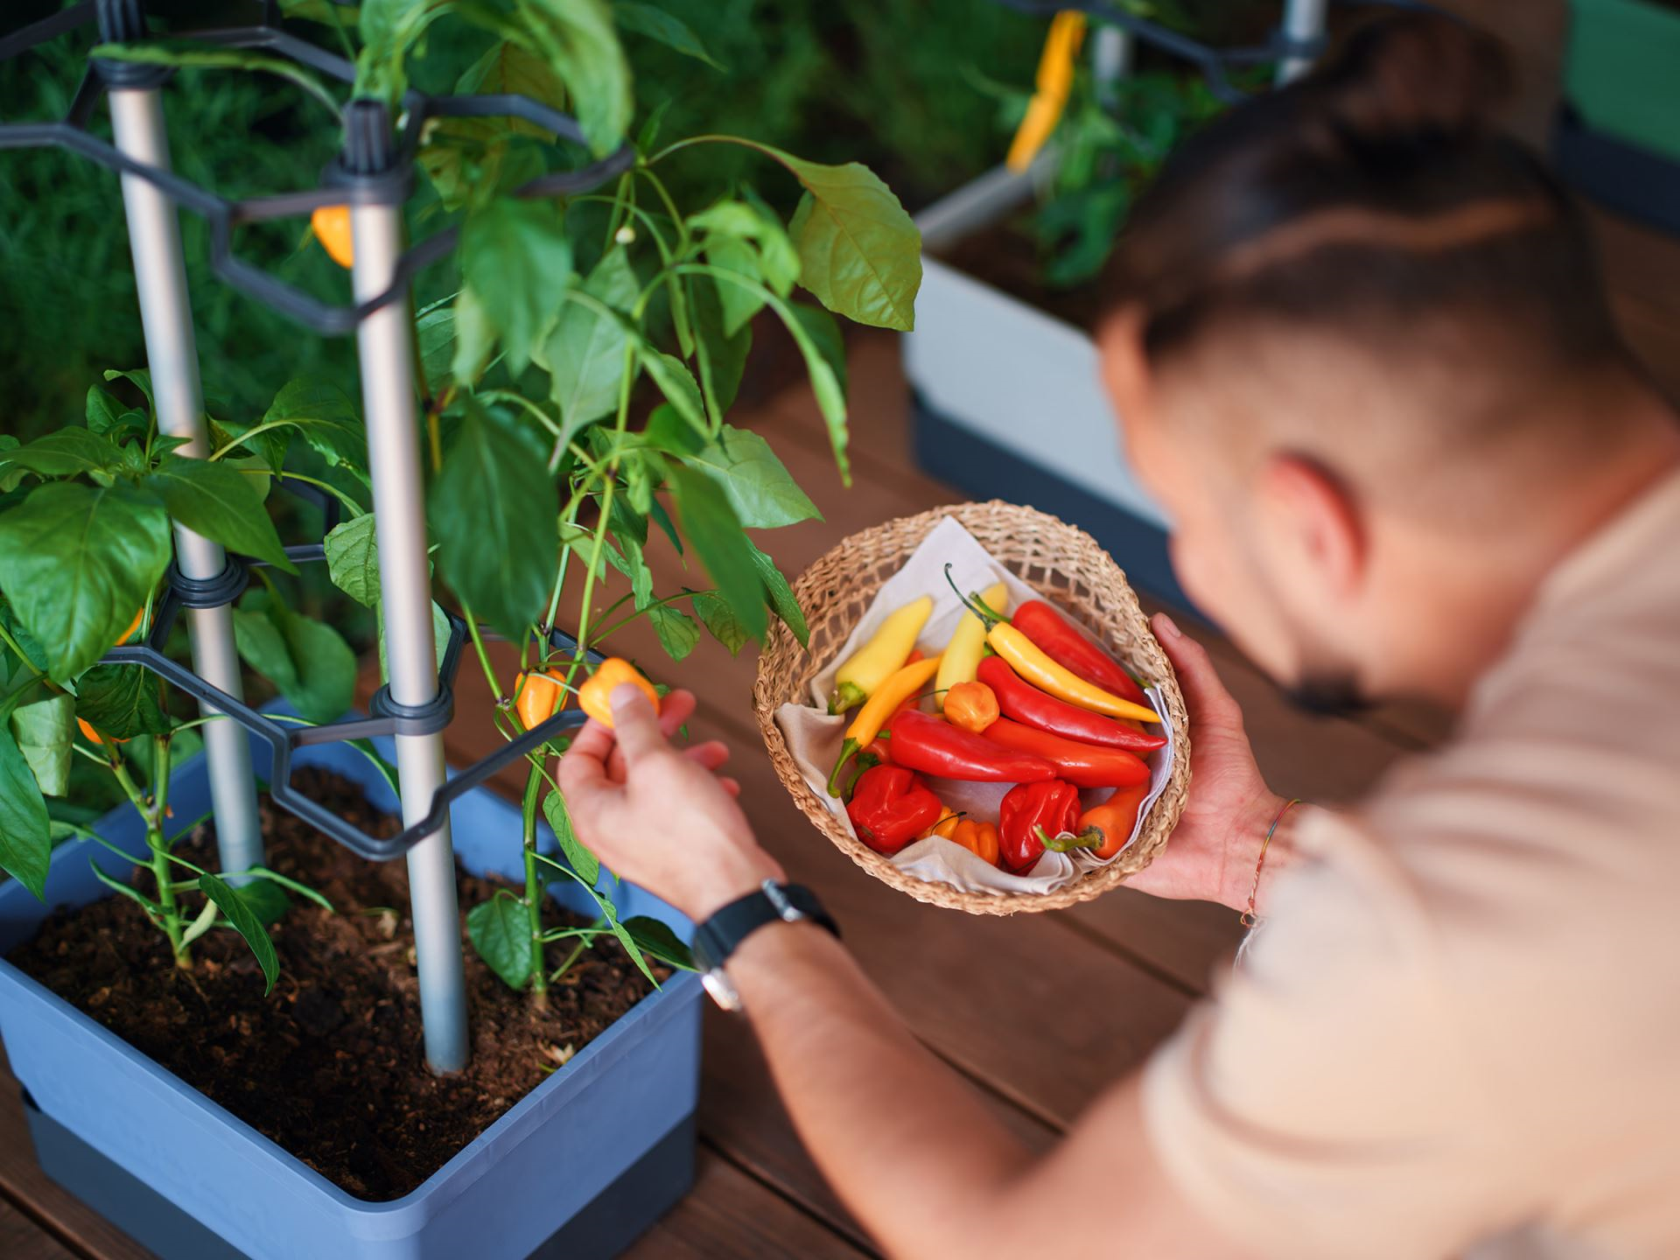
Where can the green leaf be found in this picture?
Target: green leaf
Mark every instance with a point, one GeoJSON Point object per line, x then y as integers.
{"type": "Point", "coordinates": [721, 621]}
{"type": "Point", "coordinates": [325, 416]}
{"type": "Point", "coordinates": [65, 453]}
{"type": "Point", "coordinates": [182, 53]}
{"type": "Point", "coordinates": [577, 39]}
{"type": "Point", "coordinates": [220, 504]}
{"type": "Point", "coordinates": [267, 901]}
{"type": "Point", "coordinates": [655, 23]}
{"type": "Point", "coordinates": [121, 701]}
{"type": "Point", "coordinates": [440, 641]}
{"type": "Point", "coordinates": [584, 351]}
{"type": "Point", "coordinates": [655, 938]}
{"type": "Point", "coordinates": [677, 383]}
{"type": "Point", "coordinates": [32, 650]}
{"type": "Point", "coordinates": [627, 558]}
{"type": "Point", "coordinates": [25, 842]}
{"type": "Point", "coordinates": [828, 383]}
{"type": "Point", "coordinates": [759, 486]}
{"type": "Point", "coordinates": [493, 511]}
{"type": "Point", "coordinates": [716, 535]}
{"type": "Point", "coordinates": [307, 660]}
{"type": "Point", "coordinates": [631, 947]}
{"type": "Point", "coordinates": [676, 630]}
{"type": "Point", "coordinates": [501, 933]}
{"type": "Point", "coordinates": [152, 909]}
{"type": "Point", "coordinates": [292, 885]}
{"type": "Point", "coordinates": [76, 561]}
{"type": "Point", "coordinates": [859, 252]}
{"type": "Point", "coordinates": [721, 356]}
{"type": "Point", "coordinates": [781, 596]}
{"type": "Point", "coordinates": [517, 261]}
{"type": "Point", "coordinates": [140, 378]}
{"type": "Point", "coordinates": [352, 549]}
{"type": "Point", "coordinates": [475, 337]}
{"type": "Point", "coordinates": [435, 332]}
{"type": "Point", "coordinates": [747, 237]}
{"type": "Point", "coordinates": [584, 863]}
{"type": "Point", "coordinates": [739, 303]}
{"type": "Point", "coordinates": [45, 732]}
{"type": "Point", "coordinates": [508, 68]}
{"type": "Point", "coordinates": [244, 919]}
{"type": "Point", "coordinates": [103, 411]}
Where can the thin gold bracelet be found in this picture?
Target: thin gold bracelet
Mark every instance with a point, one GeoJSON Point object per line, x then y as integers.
{"type": "Point", "coordinates": [1249, 918]}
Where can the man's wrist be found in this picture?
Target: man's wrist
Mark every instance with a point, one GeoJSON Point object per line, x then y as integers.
{"type": "Point", "coordinates": [1253, 862]}
{"type": "Point", "coordinates": [729, 880]}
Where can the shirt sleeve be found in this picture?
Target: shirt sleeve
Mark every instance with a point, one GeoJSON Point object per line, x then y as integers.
{"type": "Point", "coordinates": [1319, 1105]}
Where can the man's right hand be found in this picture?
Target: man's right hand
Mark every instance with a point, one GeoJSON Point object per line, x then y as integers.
{"type": "Point", "coordinates": [1214, 848]}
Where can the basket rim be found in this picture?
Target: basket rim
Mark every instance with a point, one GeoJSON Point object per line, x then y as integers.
{"type": "Point", "coordinates": [784, 658]}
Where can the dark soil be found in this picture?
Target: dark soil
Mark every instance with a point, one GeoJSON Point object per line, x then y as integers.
{"type": "Point", "coordinates": [1006, 256]}
{"type": "Point", "coordinates": [330, 1064]}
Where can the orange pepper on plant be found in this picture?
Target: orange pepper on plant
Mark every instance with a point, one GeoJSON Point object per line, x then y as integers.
{"type": "Point", "coordinates": [595, 696]}
{"type": "Point", "coordinates": [332, 229]}
{"type": "Point", "coordinates": [538, 697]}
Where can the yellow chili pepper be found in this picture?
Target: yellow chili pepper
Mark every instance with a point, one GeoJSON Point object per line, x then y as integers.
{"type": "Point", "coordinates": [968, 641]}
{"type": "Point", "coordinates": [595, 696]}
{"type": "Point", "coordinates": [332, 229]}
{"type": "Point", "coordinates": [873, 663]}
{"type": "Point", "coordinates": [1055, 80]}
{"type": "Point", "coordinates": [882, 704]}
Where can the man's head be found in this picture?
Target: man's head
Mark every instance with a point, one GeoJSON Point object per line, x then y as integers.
{"type": "Point", "coordinates": [1359, 335]}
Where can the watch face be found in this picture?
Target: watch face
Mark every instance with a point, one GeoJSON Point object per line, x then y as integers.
{"type": "Point", "coordinates": [723, 993]}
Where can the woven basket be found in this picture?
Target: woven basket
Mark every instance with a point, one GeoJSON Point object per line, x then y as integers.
{"type": "Point", "coordinates": [1067, 567]}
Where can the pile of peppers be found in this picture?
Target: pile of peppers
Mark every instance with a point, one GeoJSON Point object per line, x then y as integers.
{"type": "Point", "coordinates": [1025, 699]}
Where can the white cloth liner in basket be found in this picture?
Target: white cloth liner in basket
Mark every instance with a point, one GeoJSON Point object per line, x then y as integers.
{"type": "Point", "coordinates": [814, 738]}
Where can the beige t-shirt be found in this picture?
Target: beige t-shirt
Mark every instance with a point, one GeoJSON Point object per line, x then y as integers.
{"type": "Point", "coordinates": [1458, 1030]}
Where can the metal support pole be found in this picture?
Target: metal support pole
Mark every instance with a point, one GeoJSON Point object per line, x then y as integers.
{"type": "Point", "coordinates": [1111, 61]}
{"type": "Point", "coordinates": [1303, 23]}
{"type": "Point", "coordinates": [384, 347]}
{"type": "Point", "coordinates": [154, 235]}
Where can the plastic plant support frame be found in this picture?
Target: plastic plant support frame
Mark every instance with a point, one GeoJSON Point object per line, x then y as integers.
{"type": "Point", "coordinates": [387, 717]}
{"type": "Point", "coordinates": [340, 187]}
{"type": "Point", "coordinates": [1215, 64]}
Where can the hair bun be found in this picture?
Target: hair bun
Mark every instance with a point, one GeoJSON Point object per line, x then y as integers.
{"type": "Point", "coordinates": [1421, 75]}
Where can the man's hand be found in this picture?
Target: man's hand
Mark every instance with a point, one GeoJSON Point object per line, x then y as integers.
{"type": "Point", "coordinates": [660, 817]}
{"type": "Point", "coordinates": [1213, 850]}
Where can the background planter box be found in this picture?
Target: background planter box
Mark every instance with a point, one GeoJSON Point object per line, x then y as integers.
{"type": "Point", "coordinates": [1008, 401]}
{"type": "Point", "coordinates": [1617, 134]}
{"type": "Point", "coordinates": [605, 1144]}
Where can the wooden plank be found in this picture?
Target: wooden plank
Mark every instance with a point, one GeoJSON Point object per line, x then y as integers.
{"type": "Point", "coordinates": [22, 1181]}
{"type": "Point", "coordinates": [729, 1214]}
{"type": "Point", "coordinates": [22, 1239]}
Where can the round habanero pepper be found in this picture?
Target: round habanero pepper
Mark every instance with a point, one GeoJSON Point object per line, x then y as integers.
{"type": "Point", "coordinates": [1024, 702]}
{"type": "Point", "coordinates": [979, 838]}
{"type": "Point", "coordinates": [972, 706]}
{"type": "Point", "coordinates": [595, 696]}
{"type": "Point", "coordinates": [891, 807]}
{"type": "Point", "coordinates": [537, 697]}
{"type": "Point", "coordinates": [1034, 817]}
{"type": "Point", "coordinates": [1084, 765]}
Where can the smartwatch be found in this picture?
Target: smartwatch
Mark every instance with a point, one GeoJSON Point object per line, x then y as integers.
{"type": "Point", "coordinates": [721, 935]}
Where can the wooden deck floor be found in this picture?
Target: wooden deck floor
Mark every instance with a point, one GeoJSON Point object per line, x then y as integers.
{"type": "Point", "coordinates": [976, 990]}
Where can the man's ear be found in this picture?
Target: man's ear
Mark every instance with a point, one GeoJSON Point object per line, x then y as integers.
{"type": "Point", "coordinates": [1125, 370]}
{"type": "Point", "coordinates": [1314, 519]}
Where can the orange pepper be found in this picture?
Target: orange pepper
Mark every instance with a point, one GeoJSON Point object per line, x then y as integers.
{"type": "Point", "coordinates": [139, 616]}
{"type": "Point", "coordinates": [1115, 818]}
{"type": "Point", "coordinates": [594, 697]}
{"type": "Point", "coordinates": [332, 229]}
{"type": "Point", "coordinates": [944, 825]}
{"type": "Point", "coordinates": [979, 838]}
{"type": "Point", "coordinates": [93, 735]}
{"type": "Point", "coordinates": [972, 706]}
{"type": "Point", "coordinates": [537, 697]}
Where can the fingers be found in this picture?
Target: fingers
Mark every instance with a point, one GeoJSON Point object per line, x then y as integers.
{"type": "Point", "coordinates": [674, 710]}
{"type": "Point", "coordinates": [1203, 692]}
{"type": "Point", "coordinates": [710, 755]}
{"type": "Point", "coordinates": [634, 724]}
{"type": "Point", "coordinates": [583, 773]}
{"type": "Point", "coordinates": [593, 740]}
{"type": "Point", "coordinates": [732, 786]}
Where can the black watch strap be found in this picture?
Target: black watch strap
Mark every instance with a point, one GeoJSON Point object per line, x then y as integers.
{"type": "Point", "coordinates": [721, 935]}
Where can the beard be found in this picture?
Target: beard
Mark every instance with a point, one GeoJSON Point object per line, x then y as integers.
{"type": "Point", "coordinates": [1327, 694]}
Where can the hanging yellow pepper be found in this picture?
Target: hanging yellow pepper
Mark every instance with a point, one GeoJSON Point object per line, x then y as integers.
{"type": "Point", "coordinates": [968, 641]}
{"type": "Point", "coordinates": [1055, 81]}
{"type": "Point", "coordinates": [595, 696]}
{"type": "Point", "coordinates": [1028, 660]}
{"type": "Point", "coordinates": [873, 663]}
{"type": "Point", "coordinates": [882, 704]}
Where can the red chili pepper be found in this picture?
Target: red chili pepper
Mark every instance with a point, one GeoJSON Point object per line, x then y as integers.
{"type": "Point", "coordinates": [1063, 643]}
{"type": "Point", "coordinates": [1019, 699]}
{"type": "Point", "coordinates": [891, 807]}
{"type": "Point", "coordinates": [1038, 816]}
{"type": "Point", "coordinates": [921, 742]}
{"type": "Point", "coordinates": [1086, 765]}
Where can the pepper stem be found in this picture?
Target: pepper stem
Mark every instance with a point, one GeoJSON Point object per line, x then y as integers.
{"type": "Point", "coordinates": [972, 601]}
{"type": "Point", "coordinates": [846, 751]}
{"type": "Point", "coordinates": [1090, 838]}
{"type": "Point", "coordinates": [846, 696]}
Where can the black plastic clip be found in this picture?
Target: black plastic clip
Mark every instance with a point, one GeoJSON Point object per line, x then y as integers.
{"type": "Point", "coordinates": [224, 588]}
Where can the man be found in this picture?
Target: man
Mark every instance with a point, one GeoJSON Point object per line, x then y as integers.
{"type": "Point", "coordinates": [1365, 363]}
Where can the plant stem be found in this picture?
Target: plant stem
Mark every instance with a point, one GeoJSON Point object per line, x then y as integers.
{"type": "Point", "coordinates": [483, 653]}
{"type": "Point", "coordinates": [153, 812]}
{"type": "Point", "coordinates": [534, 890]}
{"type": "Point", "coordinates": [606, 514]}
{"type": "Point", "coordinates": [584, 943]}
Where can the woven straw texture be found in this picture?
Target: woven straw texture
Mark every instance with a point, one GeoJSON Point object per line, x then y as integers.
{"type": "Point", "coordinates": [1067, 567]}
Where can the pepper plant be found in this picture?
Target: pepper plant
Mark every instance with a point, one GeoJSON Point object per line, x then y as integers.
{"type": "Point", "coordinates": [575, 382]}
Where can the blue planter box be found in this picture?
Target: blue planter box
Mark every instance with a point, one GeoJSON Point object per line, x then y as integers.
{"type": "Point", "coordinates": [605, 1143]}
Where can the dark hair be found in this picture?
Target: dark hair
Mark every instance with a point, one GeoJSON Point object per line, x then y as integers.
{"type": "Point", "coordinates": [1371, 195]}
